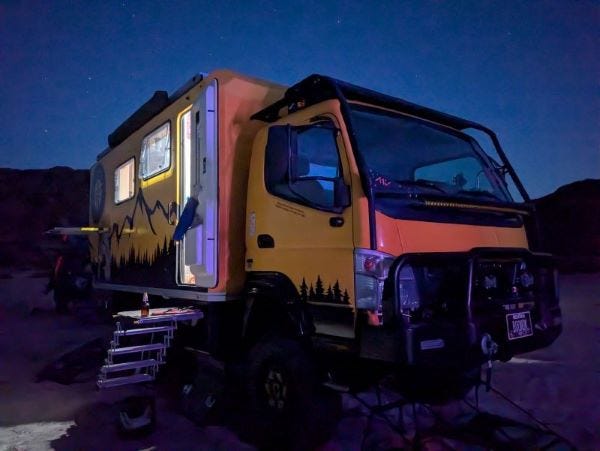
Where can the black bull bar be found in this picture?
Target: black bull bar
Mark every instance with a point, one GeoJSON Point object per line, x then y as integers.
{"type": "Point", "coordinates": [466, 301]}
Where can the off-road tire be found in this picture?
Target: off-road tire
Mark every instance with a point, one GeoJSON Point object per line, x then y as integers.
{"type": "Point", "coordinates": [307, 418]}
{"type": "Point", "coordinates": [280, 377]}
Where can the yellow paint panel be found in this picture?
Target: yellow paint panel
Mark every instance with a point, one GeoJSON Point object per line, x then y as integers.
{"type": "Point", "coordinates": [308, 250]}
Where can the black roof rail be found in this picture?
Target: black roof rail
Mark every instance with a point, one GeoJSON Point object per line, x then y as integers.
{"type": "Point", "coordinates": [158, 102]}
{"type": "Point", "coordinates": [317, 88]}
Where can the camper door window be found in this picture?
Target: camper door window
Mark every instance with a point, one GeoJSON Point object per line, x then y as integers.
{"type": "Point", "coordinates": [156, 152]}
{"type": "Point", "coordinates": [125, 181]}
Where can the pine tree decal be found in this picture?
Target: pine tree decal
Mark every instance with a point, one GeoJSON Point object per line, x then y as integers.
{"type": "Point", "coordinates": [346, 298]}
{"type": "Point", "coordinates": [165, 249]}
{"type": "Point", "coordinates": [337, 293]}
{"type": "Point", "coordinates": [311, 293]}
{"type": "Point", "coordinates": [303, 291]}
{"type": "Point", "coordinates": [319, 292]}
{"type": "Point", "coordinates": [329, 295]}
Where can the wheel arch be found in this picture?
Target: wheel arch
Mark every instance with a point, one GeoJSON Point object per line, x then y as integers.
{"type": "Point", "coordinates": [273, 306]}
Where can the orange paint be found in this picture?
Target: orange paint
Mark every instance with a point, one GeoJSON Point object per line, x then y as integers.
{"type": "Point", "coordinates": [239, 98]}
{"type": "Point", "coordinates": [400, 236]}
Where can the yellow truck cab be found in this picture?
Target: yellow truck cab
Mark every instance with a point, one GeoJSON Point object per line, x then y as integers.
{"type": "Point", "coordinates": [323, 218]}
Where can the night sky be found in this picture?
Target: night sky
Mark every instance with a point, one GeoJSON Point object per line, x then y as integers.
{"type": "Point", "coordinates": [71, 72]}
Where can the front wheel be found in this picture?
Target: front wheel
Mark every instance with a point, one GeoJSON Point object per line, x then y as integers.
{"type": "Point", "coordinates": [287, 411]}
{"type": "Point", "coordinates": [281, 377]}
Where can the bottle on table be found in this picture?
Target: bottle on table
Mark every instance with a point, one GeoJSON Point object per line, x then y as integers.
{"type": "Point", "coordinates": [145, 311]}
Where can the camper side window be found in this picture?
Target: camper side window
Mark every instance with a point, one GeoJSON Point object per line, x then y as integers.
{"type": "Point", "coordinates": [156, 152]}
{"type": "Point", "coordinates": [125, 181]}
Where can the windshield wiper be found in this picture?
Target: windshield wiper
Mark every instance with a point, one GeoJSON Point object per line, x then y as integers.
{"type": "Point", "coordinates": [422, 183]}
{"type": "Point", "coordinates": [480, 193]}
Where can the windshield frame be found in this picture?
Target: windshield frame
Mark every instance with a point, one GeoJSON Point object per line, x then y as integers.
{"type": "Point", "coordinates": [496, 181]}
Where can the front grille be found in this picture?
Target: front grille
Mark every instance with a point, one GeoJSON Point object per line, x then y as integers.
{"type": "Point", "coordinates": [469, 286]}
{"type": "Point", "coordinates": [444, 303]}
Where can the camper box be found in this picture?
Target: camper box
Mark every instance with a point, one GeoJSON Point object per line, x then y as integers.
{"type": "Point", "coordinates": [141, 182]}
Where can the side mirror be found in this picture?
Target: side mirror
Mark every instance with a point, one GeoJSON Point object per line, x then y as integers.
{"type": "Point", "coordinates": [280, 144]}
{"type": "Point", "coordinates": [341, 193]}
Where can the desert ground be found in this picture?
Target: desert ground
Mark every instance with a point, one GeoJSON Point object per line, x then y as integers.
{"type": "Point", "coordinates": [558, 386]}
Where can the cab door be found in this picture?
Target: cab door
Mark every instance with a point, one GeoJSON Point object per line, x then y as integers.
{"type": "Point", "coordinates": [300, 218]}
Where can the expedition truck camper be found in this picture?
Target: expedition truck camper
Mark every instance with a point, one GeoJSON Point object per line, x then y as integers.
{"type": "Point", "coordinates": [321, 220]}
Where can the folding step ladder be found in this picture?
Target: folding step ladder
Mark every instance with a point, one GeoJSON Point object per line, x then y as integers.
{"type": "Point", "coordinates": [137, 363]}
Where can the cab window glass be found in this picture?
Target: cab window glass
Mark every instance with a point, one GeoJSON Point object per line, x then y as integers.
{"type": "Point", "coordinates": [465, 173]}
{"type": "Point", "coordinates": [306, 171]}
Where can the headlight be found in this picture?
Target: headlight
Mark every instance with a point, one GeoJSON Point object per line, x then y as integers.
{"type": "Point", "coordinates": [490, 281]}
{"type": "Point", "coordinates": [525, 276]}
{"type": "Point", "coordinates": [526, 279]}
{"type": "Point", "coordinates": [370, 271]}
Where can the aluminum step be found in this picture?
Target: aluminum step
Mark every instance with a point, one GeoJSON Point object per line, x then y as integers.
{"type": "Point", "coordinates": [143, 330]}
{"type": "Point", "coordinates": [168, 317]}
{"type": "Point", "coordinates": [140, 348]}
{"type": "Point", "coordinates": [113, 367]}
{"type": "Point", "coordinates": [124, 380]}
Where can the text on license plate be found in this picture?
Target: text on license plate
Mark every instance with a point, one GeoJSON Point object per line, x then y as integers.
{"type": "Point", "coordinates": [518, 325]}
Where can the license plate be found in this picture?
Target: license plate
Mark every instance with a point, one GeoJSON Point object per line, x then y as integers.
{"type": "Point", "coordinates": [518, 325]}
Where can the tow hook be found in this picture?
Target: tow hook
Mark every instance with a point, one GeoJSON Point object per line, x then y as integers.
{"type": "Point", "coordinates": [489, 348]}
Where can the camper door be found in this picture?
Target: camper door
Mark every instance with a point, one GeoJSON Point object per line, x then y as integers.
{"type": "Point", "coordinates": [199, 168]}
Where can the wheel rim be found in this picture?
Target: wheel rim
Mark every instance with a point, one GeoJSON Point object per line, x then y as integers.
{"type": "Point", "coordinates": [275, 388]}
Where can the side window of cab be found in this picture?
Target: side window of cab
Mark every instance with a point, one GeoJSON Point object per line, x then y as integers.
{"type": "Point", "coordinates": [302, 165]}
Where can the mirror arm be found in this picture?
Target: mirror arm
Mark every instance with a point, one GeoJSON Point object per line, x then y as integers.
{"type": "Point", "coordinates": [341, 193]}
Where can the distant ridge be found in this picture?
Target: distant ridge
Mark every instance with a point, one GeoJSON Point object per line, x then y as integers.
{"type": "Point", "coordinates": [570, 225]}
{"type": "Point", "coordinates": [574, 189]}
{"type": "Point", "coordinates": [35, 200]}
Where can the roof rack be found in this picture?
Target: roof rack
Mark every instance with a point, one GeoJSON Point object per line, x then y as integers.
{"type": "Point", "coordinates": [157, 103]}
{"type": "Point", "coordinates": [317, 88]}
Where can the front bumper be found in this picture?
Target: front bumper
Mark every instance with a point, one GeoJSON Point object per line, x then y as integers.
{"type": "Point", "coordinates": [464, 297]}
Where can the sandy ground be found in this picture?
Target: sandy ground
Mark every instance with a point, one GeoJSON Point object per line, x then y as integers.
{"type": "Point", "coordinates": [560, 385]}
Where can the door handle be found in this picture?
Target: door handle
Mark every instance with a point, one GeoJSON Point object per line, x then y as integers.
{"type": "Point", "coordinates": [265, 241]}
{"type": "Point", "coordinates": [336, 221]}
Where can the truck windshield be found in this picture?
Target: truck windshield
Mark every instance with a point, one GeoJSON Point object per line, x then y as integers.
{"type": "Point", "coordinates": [406, 155]}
